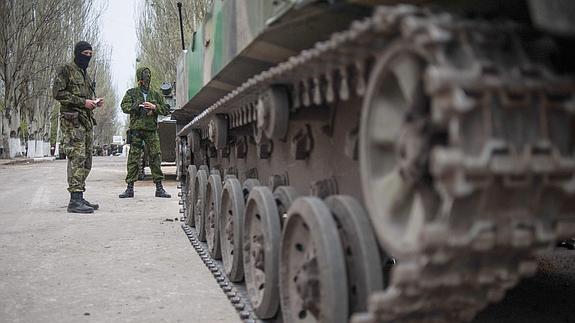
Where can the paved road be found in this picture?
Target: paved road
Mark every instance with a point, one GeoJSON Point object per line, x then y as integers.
{"type": "Point", "coordinates": [547, 297]}
{"type": "Point", "coordinates": [129, 262]}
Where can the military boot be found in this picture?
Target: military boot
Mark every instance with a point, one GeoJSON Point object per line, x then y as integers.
{"type": "Point", "coordinates": [160, 192]}
{"type": "Point", "coordinates": [129, 192]}
{"type": "Point", "coordinates": [76, 205]}
{"type": "Point", "coordinates": [92, 205]}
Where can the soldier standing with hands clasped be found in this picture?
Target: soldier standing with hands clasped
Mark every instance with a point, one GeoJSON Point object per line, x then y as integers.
{"type": "Point", "coordinates": [144, 105]}
{"type": "Point", "coordinates": [73, 88]}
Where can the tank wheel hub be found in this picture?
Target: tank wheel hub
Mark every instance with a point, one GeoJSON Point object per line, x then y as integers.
{"type": "Point", "coordinates": [258, 251]}
{"type": "Point", "coordinates": [200, 188]}
{"type": "Point", "coordinates": [306, 281]}
{"type": "Point", "coordinates": [313, 280]}
{"type": "Point", "coordinates": [231, 228]}
{"type": "Point", "coordinates": [261, 238]}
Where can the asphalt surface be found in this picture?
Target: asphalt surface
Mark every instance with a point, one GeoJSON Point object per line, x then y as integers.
{"type": "Point", "coordinates": [547, 297]}
{"type": "Point", "coordinates": [128, 262]}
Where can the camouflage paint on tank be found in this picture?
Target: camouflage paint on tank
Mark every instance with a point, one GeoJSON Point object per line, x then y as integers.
{"type": "Point", "coordinates": [194, 65]}
{"type": "Point", "coordinates": [220, 39]}
{"type": "Point", "coordinates": [241, 38]}
{"type": "Point", "coordinates": [219, 45]}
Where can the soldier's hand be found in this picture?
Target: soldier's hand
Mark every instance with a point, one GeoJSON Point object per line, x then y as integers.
{"type": "Point", "coordinates": [149, 106]}
{"type": "Point", "coordinates": [89, 104]}
{"type": "Point", "coordinates": [99, 102]}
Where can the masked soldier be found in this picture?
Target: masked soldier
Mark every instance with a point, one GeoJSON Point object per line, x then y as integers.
{"type": "Point", "coordinates": [74, 90]}
{"type": "Point", "coordinates": [144, 105]}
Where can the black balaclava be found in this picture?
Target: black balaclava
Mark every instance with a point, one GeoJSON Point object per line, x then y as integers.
{"type": "Point", "coordinates": [144, 76]}
{"type": "Point", "coordinates": [82, 60]}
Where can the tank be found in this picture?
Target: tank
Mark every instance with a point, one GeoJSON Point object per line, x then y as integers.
{"type": "Point", "coordinates": [376, 161]}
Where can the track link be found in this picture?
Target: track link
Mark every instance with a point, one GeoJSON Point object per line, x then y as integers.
{"type": "Point", "coordinates": [236, 293]}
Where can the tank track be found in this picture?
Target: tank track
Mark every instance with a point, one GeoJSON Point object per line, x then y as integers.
{"type": "Point", "coordinates": [461, 268]}
{"type": "Point", "coordinates": [236, 293]}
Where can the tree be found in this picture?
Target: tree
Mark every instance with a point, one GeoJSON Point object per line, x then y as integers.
{"type": "Point", "coordinates": [33, 35]}
{"type": "Point", "coordinates": [107, 115]}
{"type": "Point", "coordinates": [158, 30]}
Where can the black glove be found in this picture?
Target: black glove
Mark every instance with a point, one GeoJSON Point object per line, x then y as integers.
{"type": "Point", "coordinates": [129, 136]}
{"type": "Point", "coordinates": [139, 109]}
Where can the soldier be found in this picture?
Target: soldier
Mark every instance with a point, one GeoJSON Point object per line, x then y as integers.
{"type": "Point", "coordinates": [74, 90]}
{"type": "Point", "coordinates": [144, 105]}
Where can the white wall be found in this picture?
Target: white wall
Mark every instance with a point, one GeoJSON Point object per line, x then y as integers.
{"type": "Point", "coordinates": [38, 148]}
{"type": "Point", "coordinates": [31, 149]}
{"type": "Point", "coordinates": [15, 147]}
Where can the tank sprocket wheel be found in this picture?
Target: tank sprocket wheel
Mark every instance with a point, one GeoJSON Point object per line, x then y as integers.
{"type": "Point", "coordinates": [284, 196]}
{"type": "Point", "coordinates": [261, 240]}
{"type": "Point", "coordinates": [231, 229]}
{"type": "Point", "coordinates": [190, 197]}
{"type": "Point", "coordinates": [200, 189]}
{"type": "Point", "coordinates": [313, 283]}
{"type": "Point", "coordinates": [392, 150]}
{"type": "Point", "coordinates": [211, 213]}
{"type": "Point", "coordinates": [362, 257]}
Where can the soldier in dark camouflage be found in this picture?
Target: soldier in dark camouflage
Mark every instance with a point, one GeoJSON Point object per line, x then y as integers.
{"type": "Point", "coordinates": [144, 105]}
{"type": "Point", "coordinates": [73, 88]}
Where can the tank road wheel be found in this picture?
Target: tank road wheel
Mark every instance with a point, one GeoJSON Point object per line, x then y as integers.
{"type": "Point", "coordinates": [200, 194]}
{"type": "Point", "coordinates": [231, 229]}
{"type": "Point", "coordinates": [262, 235]}
{"type": "Point", "coordinates": [215, 171]}
{"type": "Point", "coordinates": [247, 187]}
{"type": "Point", "coordinates": [313, 281]}
{"type": "Point", "coordinates": [187, 155]}
{"type": "Point", "coordinates": [206, 168]}
{"type": "Point", "coordinates": [392, 150]}
{"type": "Point", "coordinates": [179, 164]}
{"type": "Point", "coordinates": [211, 213]}
{"type": "Point", "coordinates": [190, 197]}
{"type": "Point", "coordinates": [363, 261]}
{"type": "Point", "coordinates": [284, 196]}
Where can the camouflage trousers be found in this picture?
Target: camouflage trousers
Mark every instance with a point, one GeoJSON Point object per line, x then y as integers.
{"type": "Point", "coordinates": [77, 144]}
{"type": "Point", "coordinates": [151, 139]}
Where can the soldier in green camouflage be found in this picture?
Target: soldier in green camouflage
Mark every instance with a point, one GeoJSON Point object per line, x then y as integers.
{"type": "Point", "coordinates": [73, 88]}
{"type": "Point", "coordinates": [144, 105]}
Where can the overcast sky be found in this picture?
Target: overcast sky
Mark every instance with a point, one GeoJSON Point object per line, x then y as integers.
{"type": "Point", "coordinates": [118, 27]}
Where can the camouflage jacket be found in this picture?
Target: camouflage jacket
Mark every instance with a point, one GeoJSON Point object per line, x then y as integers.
{"type": "Point", "coordinates": [140, 119]}
{"type": "Point", "coordinates": [71, 88]}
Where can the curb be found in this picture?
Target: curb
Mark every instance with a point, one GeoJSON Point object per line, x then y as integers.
{"type": "Point", "coordinates": [16, 161]}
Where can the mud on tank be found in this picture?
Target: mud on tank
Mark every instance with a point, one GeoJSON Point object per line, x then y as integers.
{"type": "Point", "coordinates": [378, 161]}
